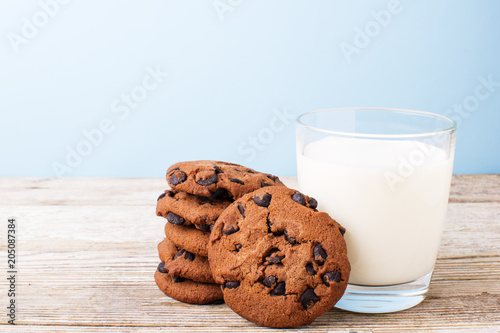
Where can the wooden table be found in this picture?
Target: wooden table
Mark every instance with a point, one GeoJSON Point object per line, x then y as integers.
{"type": "Point", "coordinates": [87, 254]}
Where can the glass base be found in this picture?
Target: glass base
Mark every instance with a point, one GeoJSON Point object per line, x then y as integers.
{"type": "Point", "coordinates": [383, 299]}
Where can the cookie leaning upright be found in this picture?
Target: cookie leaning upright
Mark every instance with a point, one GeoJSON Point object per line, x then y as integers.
{"type": "Point", "coordinates": [280, 262]}
{"type": "Point", "coordinates": [217, 179]}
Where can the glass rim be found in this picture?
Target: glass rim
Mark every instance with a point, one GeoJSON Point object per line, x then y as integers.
{"type": "Point", "coordinates": [451, 128]}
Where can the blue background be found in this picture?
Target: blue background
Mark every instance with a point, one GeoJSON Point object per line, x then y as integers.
{"type": "Point", "coordinates": [238, 71]}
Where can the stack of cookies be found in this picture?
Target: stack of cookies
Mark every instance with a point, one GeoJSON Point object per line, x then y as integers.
{"type": "Point", "coordinates": [200, 192]}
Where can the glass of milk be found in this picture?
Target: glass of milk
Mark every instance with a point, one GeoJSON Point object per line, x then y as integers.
{"type": "Point", "coordinates": [384, 175]}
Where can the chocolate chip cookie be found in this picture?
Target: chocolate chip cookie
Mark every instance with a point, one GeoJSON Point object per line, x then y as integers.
{"type": "Point", "coordinates": [181, 263]}
{"type": "Point", "coordinates": [188, 238]}
{"type": "Point", "coordinates": [280, 262]}
{"type": "Point", "coordinates": [182, 208]}
{"type": "Point", "coordinates": [187, 291]}
{"type": "Point", "coordinates": [217, 179]}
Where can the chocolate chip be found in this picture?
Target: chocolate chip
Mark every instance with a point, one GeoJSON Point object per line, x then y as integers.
{"type": "Point", "coordinates": [177, 177]}
{"type": "Point", "coordinates": [179, 254]}
{"type": "Point", "coordinates": [237, 181]}
{"type": "Point", "coordinates": [313, 203]}
{"type": "Point", "coordinates": [264, 184]}
{"type": "Point", "coordinates": [273, 178]}
{"type": "Point", "coordinates": [203, 227]}
{"type": "Point", "coordinates": [178, 279]}
{"type": "Point", "coordinates": [310, 269]}
{"type": "Point", "coordinates": [209, 181]}
{"type": "Point", "coordinates": [241, 209]}
{"type": "Point", "coordinates": [276, 233]}
{"type": "Point", "coordinates": [170, 171]}
{"type": "Point", "coordinates": [331, 277]}
{"type": "Point", "coordinates": [274, 259]}
{"type": "Point", "coordinates": [279, 290]}
{"type": "Point", "coordinates": [217, 170]}
{"type": "Point", "coordinates": [308, 298]}
{"type": "Point", "coordinates": [342, 231]}
{"type": "Point", "coordinates": [231, 284]}
{"type": "Point", "coordinates": [174, 218]}
{"type": "Point", "coordinates": [221, 193]}
{"type": "Point", "coordinates": [231, 230]}
{"type": "Point", "coordinates": [264, 202]}
{"type": "Point", "coordinates": [269, 281]}
{"type": "Point", "coordinates": [250, 171]}
{"type": "Point", "coordinates": [161, 196]}
{"type": "Point", "coordinates": [290, 240]}
{"type": "Point", "coordinates": [238, 247]}
{"type": "Point", "coordinates": [299, 198]}
{"type": "Point", "coordinates": [319, 254]}
{"type": "Point", "coordinates": [161, 268]}
{"type": "Point", "coordinates": [189, 256]}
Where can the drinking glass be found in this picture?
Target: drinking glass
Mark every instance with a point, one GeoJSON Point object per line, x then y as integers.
{"type": "Point", "coordinates": [384, 175]}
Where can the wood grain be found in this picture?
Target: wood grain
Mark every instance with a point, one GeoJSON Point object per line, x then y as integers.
{"type": "Point", "coordinates": [87, 253]}
{"type": "Point", "coordinates": [140, 191]}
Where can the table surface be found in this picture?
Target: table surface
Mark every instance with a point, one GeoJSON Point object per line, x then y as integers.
{"type": "Point", "coordinates": [87, 254]}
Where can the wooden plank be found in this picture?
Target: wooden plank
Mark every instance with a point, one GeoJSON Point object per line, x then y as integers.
{"type": "Point", "coordinates": [471, 229]}
{"type": "Point", "coordinates": [80, 191]}
{"type": "Point", "coordinates": [143, 191]}
{"type": "Point", "coordinates": [475, 188]}
{"type": "Point", "coordinates": [90, 256]}
{"type": "Point", "coordinates": [89, 267]}
{"type": "Point", "coordinates": [85, 191]}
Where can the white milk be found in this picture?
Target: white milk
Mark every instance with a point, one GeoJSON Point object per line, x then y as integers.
{"type": "Point", "coordinates": [393, 210]}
